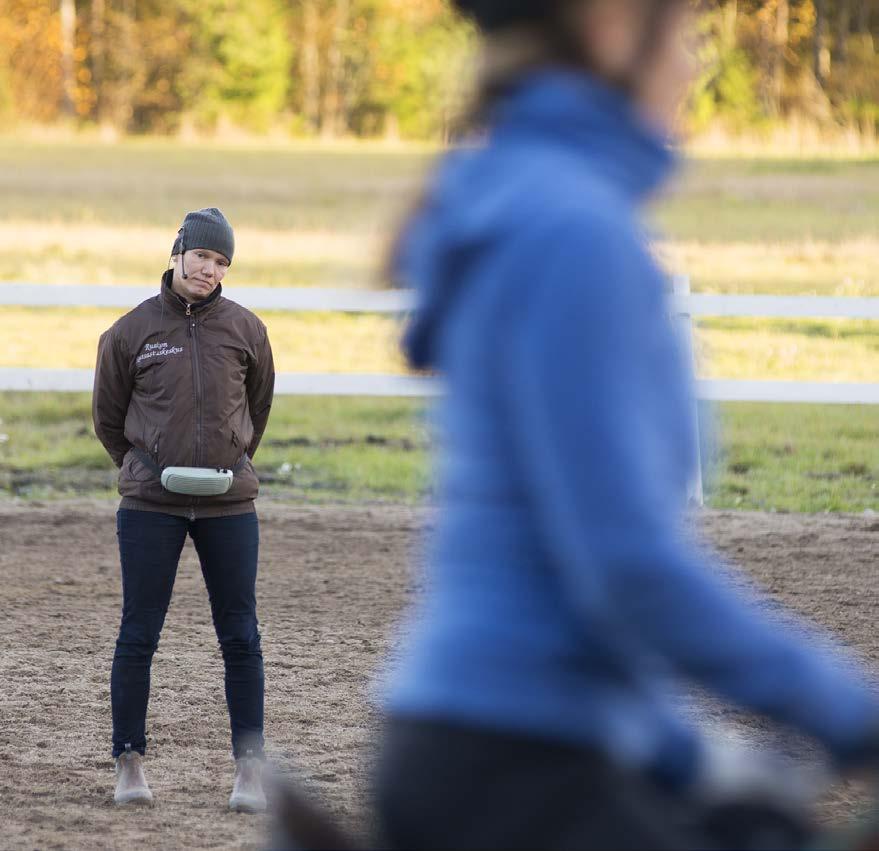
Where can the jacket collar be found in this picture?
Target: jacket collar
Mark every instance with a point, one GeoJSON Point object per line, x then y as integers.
{"type": "Point", "coordinates": [178, 304]}
{"type": "Point", "coordinates": [590, 118]}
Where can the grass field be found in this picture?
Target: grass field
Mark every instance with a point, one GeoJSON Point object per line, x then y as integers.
{"type": "Point", "coordinates": [74, 212]}
{"type": "Point", "coordinates": [317, 449]}
{"type": "Point", "coordinates": [767, 457]}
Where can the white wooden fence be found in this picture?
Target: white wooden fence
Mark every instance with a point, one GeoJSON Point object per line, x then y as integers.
{"type": "Point", "coordinates": [396, 301]}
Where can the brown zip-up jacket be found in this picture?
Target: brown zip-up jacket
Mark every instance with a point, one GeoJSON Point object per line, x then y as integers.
{"type": "Point", "coordinates": [184, 385]}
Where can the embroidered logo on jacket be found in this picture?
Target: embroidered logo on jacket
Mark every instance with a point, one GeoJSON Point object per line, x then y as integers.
{"type": "Point", "coordinates": [154, 350]}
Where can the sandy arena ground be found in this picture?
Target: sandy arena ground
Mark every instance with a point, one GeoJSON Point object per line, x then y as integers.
{"type": "Point", "coordinates": [332, 583]}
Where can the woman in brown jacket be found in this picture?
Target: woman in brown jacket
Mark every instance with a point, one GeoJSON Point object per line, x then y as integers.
{"type": "Point", "coordinates": [183, 389]}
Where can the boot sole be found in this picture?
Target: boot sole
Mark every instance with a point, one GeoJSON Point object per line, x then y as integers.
{"type": "Point", "coordinates": [250, 807]}
{"type": "Point", "coordinates": [134, 799]}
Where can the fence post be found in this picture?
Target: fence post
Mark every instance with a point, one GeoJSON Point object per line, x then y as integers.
{"type": "Point", "coordinates": [684, 330]}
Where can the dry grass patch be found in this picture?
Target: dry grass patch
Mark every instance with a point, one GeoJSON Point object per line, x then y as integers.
{"type": "Point", "coordinates": [805, 267]}
{"type": "Point", "coordinates": [809, 350]}
{"type": "Point", "coordinates": [302, 342]}
{"type": "Point", "coordinates": [144, 241]}
{"type": "Point", "coordinates": [104, 254]}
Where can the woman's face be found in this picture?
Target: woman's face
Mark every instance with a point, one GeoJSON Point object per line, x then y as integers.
{"type": "Point", "coordinates": [612, 34]}
{"type": "Point", "coordinates": [204, 270]}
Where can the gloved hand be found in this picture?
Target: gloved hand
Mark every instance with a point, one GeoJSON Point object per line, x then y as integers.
{"type": "Point", "coordinates": [729, 770]}
{"type": "Point", "coordinates": [750, 798]}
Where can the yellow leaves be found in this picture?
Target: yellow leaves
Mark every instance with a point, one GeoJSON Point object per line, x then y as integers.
{"type": "Point", "coordinates": [31, 45]}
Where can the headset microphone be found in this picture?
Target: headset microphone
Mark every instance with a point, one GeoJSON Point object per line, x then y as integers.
{"type": "Point", "coordinates": [182, 233]}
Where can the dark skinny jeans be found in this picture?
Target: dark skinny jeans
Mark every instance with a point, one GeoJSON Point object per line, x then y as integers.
{"type": "Point", "coordinates": [150, 544]}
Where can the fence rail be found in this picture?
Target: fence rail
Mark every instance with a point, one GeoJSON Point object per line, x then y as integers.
{"type": "Point", "coordinates": [398, 301]}
{"type": "Point", "coordinates": [254, 298]}
{"type": "Point", "coordinates": [286, 383]}
{"type": "Point", "coordinates": [370, 384]}
{"type": "Point", "coordinates": [401, 301]}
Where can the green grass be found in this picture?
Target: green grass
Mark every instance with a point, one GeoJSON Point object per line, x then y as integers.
{"type": "Point", "coordinates": [774, 457]}
{"type": "Point", "coordinates": [315, 449]}
{"type": "Point", "coordinates": [319, 448]}
{"type": "Point", "coordinates": [809, 458]}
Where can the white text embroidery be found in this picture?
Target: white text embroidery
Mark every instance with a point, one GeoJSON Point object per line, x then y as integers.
{"type": "Point", "coordinates": [153, 350]}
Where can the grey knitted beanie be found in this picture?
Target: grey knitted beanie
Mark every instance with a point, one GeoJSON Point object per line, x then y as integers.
{"type": "Point", "coordinates": [207, 228]}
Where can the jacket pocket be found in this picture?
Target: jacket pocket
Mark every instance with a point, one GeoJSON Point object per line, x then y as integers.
{"type": "Point", "coordinates": [152, 442]}
{"type": "Point", "coordinates": [238, 449]}
{"type": "Point", "coordinates": [134, 471]}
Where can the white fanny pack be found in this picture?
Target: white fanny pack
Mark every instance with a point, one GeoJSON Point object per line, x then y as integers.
{"type": "Point", "coordinates": [197, 481]}
{"type": "Point", "coordinates": [193, 481]}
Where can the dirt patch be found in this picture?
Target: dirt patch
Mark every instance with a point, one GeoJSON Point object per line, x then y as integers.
{"type": "Point", "coordinates": [332, 582]}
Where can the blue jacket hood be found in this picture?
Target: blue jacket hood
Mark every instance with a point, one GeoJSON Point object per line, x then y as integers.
{"type": "Point", "coordinates": [552, 115]}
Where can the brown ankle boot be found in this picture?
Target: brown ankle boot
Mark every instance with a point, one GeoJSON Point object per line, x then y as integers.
{"type": "Point", "coordinates": [247, 793]}
{"type": "Point", "coordinates": [131, 785]}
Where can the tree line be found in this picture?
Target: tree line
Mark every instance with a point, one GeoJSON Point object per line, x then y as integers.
{"type": "Point", "coordinates": [387, 67]}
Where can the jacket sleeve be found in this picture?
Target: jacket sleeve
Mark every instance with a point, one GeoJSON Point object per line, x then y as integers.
{"type": "Point", "coordinates": [113, 386]}
{"type": "Point", "coordinates": [588, 421]}
{"type": "Point", "coordinates": [260, 389]}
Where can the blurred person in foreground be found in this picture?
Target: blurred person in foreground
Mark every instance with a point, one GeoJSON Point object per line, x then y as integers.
{"type": "Point", "coordinates": [183, 389]}
{"type": "Point", "coordinates": [531, 705]}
